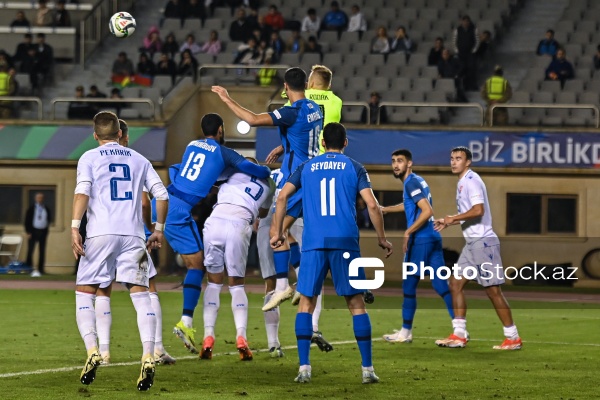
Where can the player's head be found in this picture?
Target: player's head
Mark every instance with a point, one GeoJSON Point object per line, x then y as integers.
{"type": "Point", "coordinates": [460, 159]}
{"type": "Point", "coordinates": [320, 78]}
{"type": "Point", "coordinates": [124, 141]}
{"type": "Point", "coordinates": [212, 126]}
{"type": "Point", "coordinates": [401, 163]}
{"type": "Point", "coordinates": [334, 137]}
{"type": "Point", "coordinates": [294, 80]}
{"type": "Point", "coordinates": [106, 126]}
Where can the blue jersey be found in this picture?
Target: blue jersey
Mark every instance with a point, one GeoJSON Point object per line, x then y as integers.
{"type": "Point", "coordinates": [330, 184]}
{"type": "Point", "coordinates": [202, 164]}
{"type": "Point", "coordinates": [299, 127]}
{"type": "Point", "coordinates": [416, 189]}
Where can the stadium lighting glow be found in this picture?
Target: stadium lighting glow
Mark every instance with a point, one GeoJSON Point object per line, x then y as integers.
{"type": "Point", "coordinates": [243, 127]}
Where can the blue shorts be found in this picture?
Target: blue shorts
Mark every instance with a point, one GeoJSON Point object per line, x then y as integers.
{"type": "Point", "coordinates": [429, 253]}
{"type": "Point", "coordinates": [181, 230]}
{"type": "Point", "coordinates": [314, 266]}
{"type": "Point", "coordinates": [294, 205]}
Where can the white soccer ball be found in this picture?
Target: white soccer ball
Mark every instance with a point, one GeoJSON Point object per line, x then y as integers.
{"type": "Point", "coordinates": [122, 24]}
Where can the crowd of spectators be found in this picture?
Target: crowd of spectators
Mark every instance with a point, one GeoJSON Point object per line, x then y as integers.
{"type": "Point", "coordinates": [58, 18]}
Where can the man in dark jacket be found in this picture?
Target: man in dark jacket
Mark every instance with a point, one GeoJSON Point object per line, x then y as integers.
{"type": "Point", "coordinates": [560, 69]}
{"type": "Point", "coordinates": [450, 67]}
{"type": "Point", "coordinates": [466, 43]}
{"type": "Point", "coordinates": [37, 222]}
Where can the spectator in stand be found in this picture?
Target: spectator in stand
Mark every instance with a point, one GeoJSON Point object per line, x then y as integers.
{"type": "Point", "coordinates": [274, 19]}
{"type": "Point", "coordinates": [115, 94]}
{"type": "Point", "coordinates": [80, 110]}
{"type": "Point", "coordinates": [45, 54]}
{"type": "Point", "coordinates": [380, 43]}
{"type": "Point", "coordinates": [96, 94]}
{"type": "Point", "coordinates": [30, 64]}
{"type": "Point", "coordinates": [5, 60]}
{"type": "Point", "coordinates": [466, 42]}
{"type": "Point", "coordinates": [314, 47]}
{"type": "Point", "coordinates": [122, 65]}
{"type": "Point", "coordinates": [374, 111]}
{"type": "Point", "coordinates": [402, 43]}
{"type": "Point", "coordinates": [166, 66]}
{"type": "Point", "coordinates": [212, 45]}
{"type": "Point", "coordinates": [43, 16]}
{"type": "Point", "coordinates": [277, 45]}
{"type": "Point", "coordinates": [195, 9]}
{"type": "Point", "coordinates": [188, 66]}
{"type": "Point", "coordinates": [22, 48]}
{"type": "Point", "coordinates": [61, 15]}
{"type": "Point", "coordinates": [295, 43]}
{"type": "Point", "coordinates": [20, 21]}
{"type": "Point", "coordinates": [264, 30]}
{"type": "Point", "coordinates": [240, 29]}
{"type": "Point", "coordinates": [152, 42]}
{"type": "Point", "coordinates": [311, 22]}
{"type": "Point", "coordinates": [560, 69]}
{"type": "Point", "coordinates": [451, 68]}
{"type": "Point", "coordinates": [335, 19]}
{"type": "Point", "coordinates": [265, 52]}
{"type": "Point", "coordinates": [190, 44]}
{"type": "Point", "coordinates": [252, 19]}
{"type": "Point", "coordinates": [548, 46]}
{"type": "Point", "coordinates": [597, 58]}
{"type": "Point", "coordinates": [435, 54]}
{"type": "Point", "coordinates": [358, 22]}
{"type": "Point", "coordinates": [170, 46]}
{"type": "Point", "coordinates": [248, 53]}
{"type": "Point", "coordinates": [174, 9]}
{"type": "Point", "coordinates": [7, 88]}
{"type": "Point", "coordinates": [483, 51]}
{"type": "Point", "coordinates": [145, 65]}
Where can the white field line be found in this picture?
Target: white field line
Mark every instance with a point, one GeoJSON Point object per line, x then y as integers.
{"type": "Point", "coordinates": [126, 364]}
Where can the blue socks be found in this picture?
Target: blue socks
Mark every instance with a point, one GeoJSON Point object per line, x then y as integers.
{"type": "Point", "coordinates": [304, 335]}
{"type": "Point", "coordinates": [362, 333]}
{"type": "Point", "coordinates": [409, 304]}
{"type": "Point", "coordinates": [192, 286]}
{"type": "Point", "coordinates": [282, 263]}
{"type": "Point", "coordinates": [295, 254]}
{"type": "Point", "coordinates": [441, 287]}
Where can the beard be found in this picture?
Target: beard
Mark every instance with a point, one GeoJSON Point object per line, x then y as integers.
{"type": "Point", "coordinates": [399, 175]}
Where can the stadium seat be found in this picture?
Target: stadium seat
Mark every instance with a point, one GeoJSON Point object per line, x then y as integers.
{"type": "Point", "coordinates": [357, 83]}
{"type": "Point", "coordinates": [422, 84]}
{"type": "Point", "coordinates": [194, 25]}
{"type": "Point", "coordinates": [429, 72]}
{"type": "Point", "coordinates": [396, 59]}
{"type": "Point", "coordinates": [310, 59]}
{"type": "Point", "coordinates": [332, 60]}
{"type": "Point", "coordinates": [290, 59]}
{"type": "Point", "coordinates": [550, 86]}
{"type": "Point", "coordinates": [401, 84]}
{"type": "Point", "coordinates": [379, 84]}
{"type": "Point", "coordinates": [171, 24]}
{"type": "Point", "coordinates": [589, 98]}
{"type": "Point", "coordinates": [574, 85]}
{"type": "Point", "coordinates": [328, 36]}
{"type": "Point", "coordinates": [354, 59]}
{"type": "Point", "coordinates": [367, 70]}
{"type": "Point", "coordinates": [445, 85]}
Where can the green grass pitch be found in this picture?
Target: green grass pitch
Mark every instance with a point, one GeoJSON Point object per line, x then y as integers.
{"type": "Point", "coordinates": [560, 358]}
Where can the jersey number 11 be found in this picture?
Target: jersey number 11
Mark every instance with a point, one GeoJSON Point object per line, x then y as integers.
{"type": "Point", "coordinates": [331, 197]}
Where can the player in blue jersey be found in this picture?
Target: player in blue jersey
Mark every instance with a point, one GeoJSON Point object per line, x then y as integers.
{"type": "Point", "coordinates": [421, 242]}
{"type": "Point", "coordinates": [330, 184]}
{"type": "Point", "coordinates": [299, 124]}
{"type": "Point", "coordinates": [203, 162]}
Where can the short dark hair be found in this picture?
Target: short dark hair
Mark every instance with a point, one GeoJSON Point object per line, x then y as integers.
{"type": "Point", "coordinates": [335, 4]}
{"type": "Point", "coordinates": [211, 123]}
{"type": "Point", "coordinates": [551, 31]}
{"type": "Point", "coordinates": [441, 39]}
{"type": "Point", "coordinates": [311, 11]}
{"type": "Point", "coordinates": [465, 150]}
{"type": "Point", "coordinates": [403, 152]}
{"type": "Point", "coordinates": [124, 128]}
{"type": "Point", "coordinates": [334, 135]}
{"type": "Point", "coordinates": [41, 35]}
{"type": "Point", "coordinates": [93, 87]}
{"type": "Point", "coordinates": [295, 78]}
{"type": "Point", "coordinates": [28, 36]}
{"type": "Point", "coordinates": [106, 125]}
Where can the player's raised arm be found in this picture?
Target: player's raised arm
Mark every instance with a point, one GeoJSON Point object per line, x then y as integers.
{"type": "Point", "coordinates": [392, 209]}
{"type": "Point", "coordinates": [246, 115]}
{"type": "Point", "coordinates": [377, 219]}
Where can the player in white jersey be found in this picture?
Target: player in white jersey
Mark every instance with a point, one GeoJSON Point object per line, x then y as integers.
{"type": "Point", "coordinates": [227, 234]}
{"type": "Point", "coordinates": [102, 303]}
{"type": "Point", "coordinates": [481, 254]}
{"type": "Point", "coordinates": [110, 179]}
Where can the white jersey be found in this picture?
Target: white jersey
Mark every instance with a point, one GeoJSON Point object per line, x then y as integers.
{"type": "Point", "coordinates": [242, 196]}
{"type": "Point", "coordinates": [469, 192]}
{"type": "Point", "coordinates": [117, 175]}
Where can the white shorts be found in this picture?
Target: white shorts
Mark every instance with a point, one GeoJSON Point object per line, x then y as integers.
{"type": "Point", "coordinates": [226, 243]}
{"type": "Point", "coordinates": [113, 257]}
{"type": "Point", "coordinates": [263, 241]}
{"type": "Point", "coordinates": [151, 272]}
{"type": "Point", "coordinates": [485, 261]}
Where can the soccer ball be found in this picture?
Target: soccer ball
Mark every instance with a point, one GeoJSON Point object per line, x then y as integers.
{"type": "Point", "coordinates": [122, 24]}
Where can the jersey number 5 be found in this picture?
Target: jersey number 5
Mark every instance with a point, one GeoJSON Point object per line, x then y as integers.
{"type": "Point", "coordinates": [260, 189]}
{"type": "Point", "coordinates": [331, 197]}
{"type": "Point", "coordinates": [193, 165]}
{"type": "Point", "coordinates": [114, 191]}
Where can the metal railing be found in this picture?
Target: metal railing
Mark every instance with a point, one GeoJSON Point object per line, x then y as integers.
{"type": "Point", "coordinates": [92, 100]}
{"type": "Point", "coordinates": [431, 104]}
{"type": "Point", "coordinates": [592, 107]}
{"type": "Point", "coordinates": [280, 102]}
{"type": "Point", "coordinates": [26, 99]}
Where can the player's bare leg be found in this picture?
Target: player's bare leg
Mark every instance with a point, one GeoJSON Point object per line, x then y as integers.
{"type": "Point", "coordinates": [212, 303]}
{"type": "Point", "coordinates": [512, 341]}
{"type": "Point", "coordinates": [458, 338]}
{"type": "Point", "coordinates": [272, 320]}
{"type": "Point", "coordinates": [192, 286]}
{"type": "Point", "coordinates": [362, 332]}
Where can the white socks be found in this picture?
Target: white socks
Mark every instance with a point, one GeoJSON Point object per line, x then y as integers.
{"type": "Point", "coordinates": [317, 313]}
{"type": "Point", "coordinates": [103, 322]}
{"type": "Point", "coordinates": [272, 324]}
{"type": "Point", "coordinates": [510, 332]}
{"type": "Point", "coordinates": [158, 339]}
{"type": "Point", "coordinates": [86, 319]}
{"type": "Point", "coordinates": [460, 327]}
{"type": "Point", "coordinates": [212, 302]}
{"type": "Point", "coordinates": [146, 320]}
{"type": "Point", "coordinates": [282, 284]}
{"type": "Point", "coordinates": [405, 332]}
{"type": "Point", "coordinates": [239, 306]}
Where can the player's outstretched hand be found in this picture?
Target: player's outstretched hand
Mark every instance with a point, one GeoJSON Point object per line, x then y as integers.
{"type": "Point", "coordinates": [438, 225]}
{"type": "Point", "coordinates": [274, 155]}
{"type": "Point", "coordinates": [221, 91]}
{"type": "Point", "coordinates": [387, 246]}
{"type": "Point", "coordinates": [277, 241]}
{"type": "Point", "coordinates": [383, 210]}
{"type": "Point", "coordinates": [77, 243]}
{"type": "Point", "coordinates": [155, 240]}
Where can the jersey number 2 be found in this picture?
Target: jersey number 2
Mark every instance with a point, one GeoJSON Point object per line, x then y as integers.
{"type": "Point", "coordinates": [331, 197]}
{"type": "Point", "coordinates": [193, 170]}
{"type": "Point", "coordinates": [260, 189]}
{"type": "Point", "coordinates": [114, 191]}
